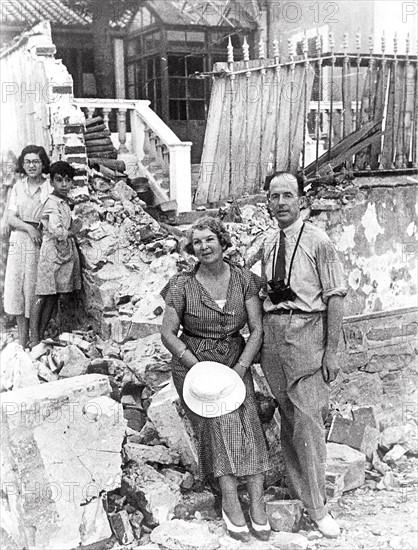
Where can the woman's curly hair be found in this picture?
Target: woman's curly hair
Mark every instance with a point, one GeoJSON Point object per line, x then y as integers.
{"type": "Point", "coordinates": [216, 226]}
{"type": "Point", "coordinates": [37, 150]}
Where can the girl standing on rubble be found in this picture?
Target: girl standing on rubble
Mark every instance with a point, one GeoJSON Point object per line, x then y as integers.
{"type": "Point", "coordinates": [27, 198]}
{"type": "Point", "coordinates": [212, 303]}
{"type": "Point", "coordinates": [59, 263]}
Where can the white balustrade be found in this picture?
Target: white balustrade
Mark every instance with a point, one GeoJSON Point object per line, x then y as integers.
{"type": "Point", "coordinates": [151, 140]}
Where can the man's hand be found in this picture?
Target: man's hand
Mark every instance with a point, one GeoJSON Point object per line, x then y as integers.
{"type": "Point", "coordinates": [330, 366]}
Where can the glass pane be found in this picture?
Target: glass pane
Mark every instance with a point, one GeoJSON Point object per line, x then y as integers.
{"type": "Point", "coordinates": [196, 88]}
{"type": "Point", "coordinates": [194, 64]}
{"type": "Point", "coordinates": [177, 88]}
{"type": "Point", "coordinates": [150, 69]}
{"type": "Point", "coordinates": [157, 66]}
{"type": "Point", "coordinates": [176, 65]}
{"type": "Point", "coordinates": [196, 110]}
{"type": "Point", "coordinates": [173, 110]}
{"type": "Point", "coordinates": [131, 49]}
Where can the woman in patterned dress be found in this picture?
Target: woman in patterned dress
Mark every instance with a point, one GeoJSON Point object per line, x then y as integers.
{"type": "Point", "coordinates": [23, 215]}
{"type": "Point", "coordinates": [212, 303]}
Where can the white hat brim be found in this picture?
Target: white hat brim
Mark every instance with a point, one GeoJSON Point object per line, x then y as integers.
{"type": "Point", "coordinates": [215, 407]}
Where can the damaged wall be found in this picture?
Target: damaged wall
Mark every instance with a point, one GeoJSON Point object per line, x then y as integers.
{"type": "Point", "coordinates": [375, 230]}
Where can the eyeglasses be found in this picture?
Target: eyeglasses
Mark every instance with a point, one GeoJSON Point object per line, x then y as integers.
{"type": "Point", "coordinates": [29, 162]}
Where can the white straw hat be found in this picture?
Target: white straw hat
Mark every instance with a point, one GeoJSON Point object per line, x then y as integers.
{"type": "Point", "coordinates": [212, 389]}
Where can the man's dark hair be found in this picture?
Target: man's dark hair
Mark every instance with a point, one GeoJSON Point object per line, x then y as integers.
{"type": "Point", "coordinates": [61, 168]}
{"type": "Point", "coordinates": [37, 150]}
{"type": "Point", "coordinates": [298, 177]}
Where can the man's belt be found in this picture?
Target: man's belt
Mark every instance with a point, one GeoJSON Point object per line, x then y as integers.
{"type": "Point", "coordinates": [293, 312]}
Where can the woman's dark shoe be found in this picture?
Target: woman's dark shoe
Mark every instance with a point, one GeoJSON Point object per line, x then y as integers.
{"type": "Point", "coordinates": [261, 532]}
{"type": "Point", "coordinates": [237, 532]}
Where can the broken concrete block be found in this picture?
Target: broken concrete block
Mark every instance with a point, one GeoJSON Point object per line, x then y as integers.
{"type": "Point", "coordinates": [40, 349]}
{"type": "Point", "coordinates": [150, 453]}
{"type": "Point", "coordinates": [174, 476]}
{"type": "Point", "coordinates": [173, 427]}
{"type": "Point", "coordinates": [405, 434]}
{"type": "Point", "coordinates": [365, 415]}
{"type": "Point", "coordinates": [70, 338]}
{"type": "Point", "coordinates": [17, 369]}
{"type": "Point", "coordinates": [202, 503]}
{"type": "Point", "coordinates": [394, 454]}
{"type": "Point", "coordinates": [334, 484]}
{"type": "Point", "coordinates": [284, 515]}
{"type": "Point", "coordinates": [151, 492]}
{"type": "Point", "coordinates": [355, 434]}
{"type": "Point", "coordinates": [74, 361]}
{"type": "Point", "coordinates": [344, 459]}
{"type": "Point", "coordinates": [135, 418]}
{"type": "Point", "coordinates": [62, 446]}
{"type": "Point", "coordinates": [370, 443]}
{"type": "Point", "coordinates": [288, 541]}
{"type": "Point", "coordinates": [148, 359]}
{"type": "Point", "coordinates": [346, 432]}
{"type": "Point", "coordinates": [176, 534]}
{"type": "Point", "coordinates": [121, 527]}
{"type": "Point", "coordinates": [44, 371]}
{"type": "Point", "coordinates": [94, 524]}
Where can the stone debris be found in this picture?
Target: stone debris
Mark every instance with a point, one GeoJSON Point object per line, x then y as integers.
{"type": "Point", "coordinates": [150, 492]}
{"type": "Point", "coordinates": [49, 471]}
{"type": "Point", "coordinates": [150, 453]}
{"type": "Point", "coordinates": [181, 535]}
{"type": "Point", "coordinates": [17, 370]}
{"type": "Point", "coordinates": [342, 459]}
{"type": "Point", "coordinates": [288, 541]}
{"type": "Point", "coordinates": [121, 527]}
{"type": "Point", "coordinates": [394, 454]}
{"type": "Point", "coordinates": [172, 426]}
{"type": "Point", "coordinates": [284, 515]}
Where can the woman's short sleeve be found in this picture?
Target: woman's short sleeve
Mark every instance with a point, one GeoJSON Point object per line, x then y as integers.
{"type": "Point", "coordinates": [174, 294]}
{"type": "Point", "coordinates": [253, 284]}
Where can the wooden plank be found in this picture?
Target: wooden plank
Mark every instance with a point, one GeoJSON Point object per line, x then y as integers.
{"type": "Point", "coordinates": [336, 161]}
{"type": "Point", "coordinates": [220, 174]}
{"type": "Point", "coordinates": [211, 142]}
{"type": "Point", "coordinates": [386, 155]}
{"type": "Point", "coordinates": [348, 142]}
{"type": "Point", "coordinates": [382, 84]}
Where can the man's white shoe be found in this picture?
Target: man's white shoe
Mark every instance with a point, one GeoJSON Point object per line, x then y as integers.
{"type": "Point", "coordinates": [328, 527]}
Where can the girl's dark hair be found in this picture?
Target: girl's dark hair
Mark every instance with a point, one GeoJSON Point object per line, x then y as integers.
{"type": "Point", "coordinates": [37, 150]}
{"type": "Point", "coordinates": [61, 168]}
{"type": "Point", "coordinates": [216, 226]}
{"type": "Point", "coordinates": [298, 177]}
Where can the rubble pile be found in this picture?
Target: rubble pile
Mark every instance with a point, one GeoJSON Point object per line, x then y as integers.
{"type": "Point", "coordinates": [153, 495]}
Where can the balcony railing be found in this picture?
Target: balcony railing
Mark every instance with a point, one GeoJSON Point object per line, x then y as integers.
{"type": "Point", "coordinates": [155, 146]}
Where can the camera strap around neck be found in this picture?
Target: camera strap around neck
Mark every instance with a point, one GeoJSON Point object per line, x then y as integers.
{"type": "Point", "coordinates": [273, 267]}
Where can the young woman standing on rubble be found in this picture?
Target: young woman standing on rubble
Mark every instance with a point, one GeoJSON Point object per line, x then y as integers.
{"type": "Point", "coordinates": [212, 303]}
{"type": "Point", "coordinates": [23, 216]}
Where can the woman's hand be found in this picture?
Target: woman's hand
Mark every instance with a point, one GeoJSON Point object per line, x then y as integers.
{"type": "Point", "coordinates": [34, 234]}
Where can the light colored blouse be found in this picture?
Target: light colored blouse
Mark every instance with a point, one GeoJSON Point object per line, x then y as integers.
{"type": "Point", "coordinates": [28, 205]}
